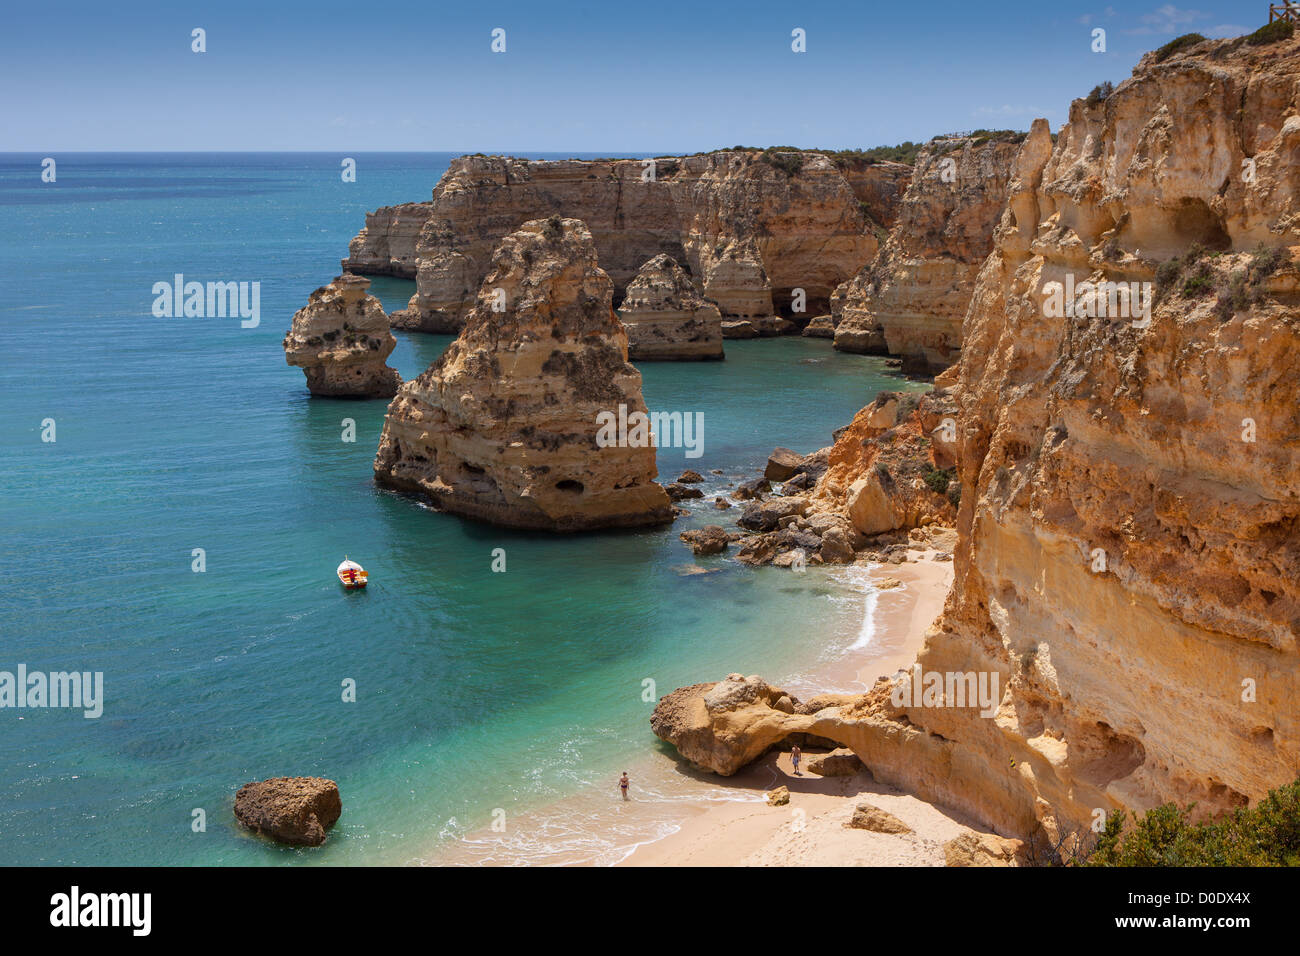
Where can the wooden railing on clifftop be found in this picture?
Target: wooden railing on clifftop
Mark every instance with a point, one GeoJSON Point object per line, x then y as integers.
{"type": "Point", "coordinates": [1284, 11]}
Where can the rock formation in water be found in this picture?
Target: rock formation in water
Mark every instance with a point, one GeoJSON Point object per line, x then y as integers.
{"type": "Point", "coordinates": [386, 244]}
{"type": "Point", "coordinates": [751, 227]}
{"type": "Point", "coordinates": [666, 318]}
{"type": "Point", "coordinates": [508, 425]}
{"type": "Point", "coordinates": [911, 300]}
{"type": "Point", "coordinates": [1126, 577]}
{"type": "Point", "coordinates": [294, 810]}
{"type": "Point", "coordinates": [340, 340]}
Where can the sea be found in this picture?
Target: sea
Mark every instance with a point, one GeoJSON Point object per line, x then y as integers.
{"type": "Point", "coordinates": [175, 503]}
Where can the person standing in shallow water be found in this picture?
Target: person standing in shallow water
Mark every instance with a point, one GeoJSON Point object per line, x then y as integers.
{"type": "Point", "coordinates": [622, 784]}
{"type": "Point", "coordinates": [795, 754]}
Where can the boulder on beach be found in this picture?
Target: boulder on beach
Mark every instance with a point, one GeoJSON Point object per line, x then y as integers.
{"type": "Point", "coordinates": [293, 810]}
{"type": "Point", "coordinates": [840, 762]}
{"type": "Point", "coordinates": [869, 817]}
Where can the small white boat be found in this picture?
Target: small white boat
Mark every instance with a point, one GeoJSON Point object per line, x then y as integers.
{"type": "Point", "coordinates": [352, 575]}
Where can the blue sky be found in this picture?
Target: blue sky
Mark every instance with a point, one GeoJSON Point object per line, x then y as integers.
{"type": "Point", "coordinates": [634, 76]}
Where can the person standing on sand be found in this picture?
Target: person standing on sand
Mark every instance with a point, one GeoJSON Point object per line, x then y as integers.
{"type": "Point", "coordinates": [622, 784]}
{"type": "Point", "coordinates": [795, 754]}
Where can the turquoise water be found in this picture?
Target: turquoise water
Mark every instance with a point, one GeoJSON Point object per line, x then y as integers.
{"type": "Point", "coordinates": [475, 690]}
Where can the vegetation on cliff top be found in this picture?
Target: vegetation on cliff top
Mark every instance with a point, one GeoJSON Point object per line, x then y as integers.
{"type": "Point", "coordinates": [1267, 834]}
{"type": "Point", "coordinates": [1272, 33]}
{"type": "Point", "coordinates": [1177, 45]}
{"type": "Point", "coordinates": [1100, 93]}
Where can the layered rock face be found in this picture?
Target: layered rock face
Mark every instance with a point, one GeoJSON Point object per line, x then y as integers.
{"type": "Point", "coordinates": [1129, 561]}
{"type": "Point", "coordinates": [750, 227]}
{"type": "Point", "coordinates": [1126, 577]}
{"type": "Point", "coordinates": [504, 426]}
{"type": "Point", "coordinates": [666, 318]}
{"type": "Point", "coordinates": [879, 187]}
{"type": "Point", "coordinates": [386, 245]}
{"type": "Point", "coordinates": [912, 299]}
{"type": "Point", "coordinates": [340, 340]}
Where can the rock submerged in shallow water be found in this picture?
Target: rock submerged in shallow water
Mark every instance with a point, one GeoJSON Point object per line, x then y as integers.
{"type": "Point", "coordinates": [679, 492]}
{"type": "Point", "coordinates": [293, 810]}
{"type": "Point", "coordinates": [755, 488]}
{"type": "Point", "coordinates": [711, 539]}
{"type": "Point", "coordinates": [340, 339]}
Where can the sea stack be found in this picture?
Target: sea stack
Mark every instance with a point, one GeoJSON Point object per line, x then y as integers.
{"type": "Point", "coordinates": [666, 317]}
{"type": "Point", "coordinates": [503, 426]}
{"type": "Point", "coordinates": [340, 339]}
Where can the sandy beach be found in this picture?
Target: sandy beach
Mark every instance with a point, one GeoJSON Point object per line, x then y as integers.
{"type": "Point", "coordinates": [811, 830]}
{"type": "Point", "coordinates": [678, 816]}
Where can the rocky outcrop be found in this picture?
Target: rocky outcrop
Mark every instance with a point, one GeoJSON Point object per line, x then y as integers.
{"type": "Point", "coordinates": [666, 318]}
{"type": "Point", "coordinates": [911, 300]}
{"type": "Point", "coordinates": [386, 245]}
{"type": "Point", "coordinates": [1130, 510]}
{"type": "Point", "coordinates": [508, 425]}
{"type": "Point", "coordinates": [886, 471]}
{"type": "Point", "coordinates": [751, 227]}
{"type": "Point", "coordinates": [294, 810]}
{"type": "Point", "coordinates": [340, 340]}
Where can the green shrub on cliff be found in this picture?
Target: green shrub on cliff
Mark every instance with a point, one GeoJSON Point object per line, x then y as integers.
{"type": "Point", "coordinates": [939, 479]}
{"type": "Point", "coordinates": [1177, 45]}
{"type": "Point", "coordinates": [1267, 834]}
{"type": "Point", "coordinates": [1100, 93]}
{"type": "Point", "coordinates": [1272, 33]}
{"type": "Point", "coordinates": [789, 161]}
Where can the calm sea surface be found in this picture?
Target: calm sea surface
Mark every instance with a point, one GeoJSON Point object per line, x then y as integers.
{"type": "Point", "coordinates": [475, 690]}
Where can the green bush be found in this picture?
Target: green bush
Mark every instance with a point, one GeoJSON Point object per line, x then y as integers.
{"type": "Point", "coordinates": [1100, 93]}
{"type": "Point", "coordinates": [789, 162]}
{"type": "Point", "coordinates": [1178, 44]}
{"type": "Point", "coordinates": [1267, 834]}
{"type": "Point", "coordinates": [1272, 33]}
{"type": "Point", "coordinates": [938, 480]}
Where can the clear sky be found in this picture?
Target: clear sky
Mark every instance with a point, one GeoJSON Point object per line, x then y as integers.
{"type": "Point", "coordinates": [633, 76]}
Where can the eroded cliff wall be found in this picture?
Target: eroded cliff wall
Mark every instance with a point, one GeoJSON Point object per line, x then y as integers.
{"type": "Point", "coordinates": [912, 299]}
{"type": "Point", "coordinates": [751, 227]}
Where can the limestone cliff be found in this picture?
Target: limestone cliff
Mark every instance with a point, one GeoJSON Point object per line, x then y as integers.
{"type": "Point", "coordinates": [750, 227]}
{"type": "Point", "coordinates": [1130, 516]}
{"type": "Point", "coordinates": [504, 426]}
{"type": "Point", "coordinates": [386, 244]}
{"type": "Point", "coordinates": [340, 340]}
{"type": "Point", "coordinates": [911, 300]}
{"type": "Point", "coordinates": [666, 318]}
